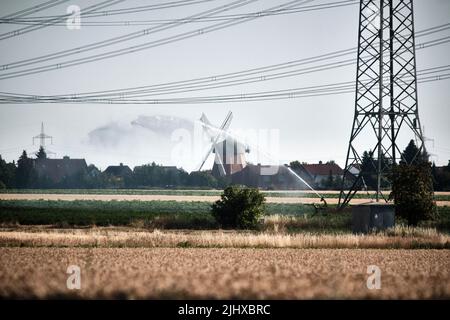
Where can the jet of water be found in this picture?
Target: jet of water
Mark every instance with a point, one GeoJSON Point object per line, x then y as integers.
{"type": "Point", "coordinates": [306, 183]}
{"type": "Point", "coordinates": [268, 155]}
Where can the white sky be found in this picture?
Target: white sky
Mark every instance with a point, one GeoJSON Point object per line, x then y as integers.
{"type": "Point", "coordinates": [310, 129]}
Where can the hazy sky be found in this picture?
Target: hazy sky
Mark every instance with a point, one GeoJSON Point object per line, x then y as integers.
{"type": "Point", "coordinates": [310, 129]}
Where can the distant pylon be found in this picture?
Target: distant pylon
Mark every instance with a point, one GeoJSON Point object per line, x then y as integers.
{"type": "Point", "coordinates": [42, 137]}
{"type": "Point", "coordinates": [386, 92]}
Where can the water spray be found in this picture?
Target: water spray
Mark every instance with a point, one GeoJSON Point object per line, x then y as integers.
{"type": "Point", "coordinates": [268, 155]}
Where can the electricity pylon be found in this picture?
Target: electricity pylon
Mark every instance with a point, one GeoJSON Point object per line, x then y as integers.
{"type": "Point", "coordinates": [386, 92]}
{"type": "Point", "coordinates": [42, 137]}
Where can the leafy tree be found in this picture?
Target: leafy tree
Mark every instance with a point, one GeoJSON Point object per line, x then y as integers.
{"type": "Point", "coordinates": [412, 192]}
{"type": "Point", "coordinates": [94, 178]}
{"type": "Point", "coordinates": [368, 170]}
{"type": "Point", "coordinates": [7, 173]}
{"type": "Point", "coordinates": [239, 207]}
{"type": "Point", "coordinates": [412, 154]}
{"type": "Point", "coordinates": [41, 154]}
{"type": "Point", "coordinates": [183, 177]}
{"type": "Point", "coordinates": [153, 175]}
{"type": "Point", "coordinates": [441, 177]}
{"type": "Point", "coordinates": [26, 175]}
{"type": "Point", "coordinates": [434, 175]}
{"type": "Point", "coordinates": [223, 182]}
{"type": "Point", "coordinates": [369, 166]}
{"type": "Point", "coordinates": [202, 179]}
{"type": "Point", "coordinates": [295, 165]}
{"type": "Point", "coordinates": [329, 183]}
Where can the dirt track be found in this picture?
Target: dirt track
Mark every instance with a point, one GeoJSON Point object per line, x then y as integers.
{"type": "Point", "coordinates": [129, 197]}
{"type": "Point", "coordinates": [224, 273]}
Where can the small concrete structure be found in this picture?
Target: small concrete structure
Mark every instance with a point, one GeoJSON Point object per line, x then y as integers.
{"type": "Point", "coordinates": [372, 216]}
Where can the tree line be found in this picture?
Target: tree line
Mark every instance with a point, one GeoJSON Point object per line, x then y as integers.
{"type": "Point", "coordinates": [23, 174]}
{"type": "Point", "coordinates": [411, 155]}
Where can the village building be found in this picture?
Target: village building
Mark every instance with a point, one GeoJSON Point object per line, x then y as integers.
{"type": "Point", "coordinates": [321, 173]}
{"type": "Point", "coordinates": [57, 170]}
{"type": "Point", "coordinates": [119, 171]}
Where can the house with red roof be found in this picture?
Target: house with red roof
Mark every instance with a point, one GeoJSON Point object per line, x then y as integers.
{"type": "Point", "coordinates": [320, 173]}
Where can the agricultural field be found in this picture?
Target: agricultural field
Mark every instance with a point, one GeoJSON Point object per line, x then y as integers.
{"type": "Point", "coordinates": [175, 215]}
{"type": "Point", "coordinates": [223, 273]}
{"type": "Point", "coordinates": [175, 249]}
{"type": "Point", "coordinates": [290, 198]}
{"type": "Point", "coordinates": [328, 194]}
{"type": "Point", "coordinates": [159, 214]}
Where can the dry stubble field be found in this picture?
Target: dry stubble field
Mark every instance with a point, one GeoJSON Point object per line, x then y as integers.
{"type": "Point", "coordinates": [223, 273]}
{"type": "Point", "coordinates": [128, 263]}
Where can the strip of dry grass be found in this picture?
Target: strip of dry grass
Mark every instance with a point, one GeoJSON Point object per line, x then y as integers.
{"type": "Point", "coordinates": [397, 238]}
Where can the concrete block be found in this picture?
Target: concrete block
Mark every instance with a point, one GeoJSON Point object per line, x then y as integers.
{"type": "Point", "coordinates": [372, 217]}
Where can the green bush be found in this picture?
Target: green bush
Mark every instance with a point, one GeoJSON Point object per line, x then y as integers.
{"type": "Point", "coordinates": [239, 207]}
{"type": "Point", "coordinates": [412, 192]}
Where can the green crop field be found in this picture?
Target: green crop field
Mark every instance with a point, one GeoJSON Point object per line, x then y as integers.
{"type": "Point", "coordinates": [170, 215]}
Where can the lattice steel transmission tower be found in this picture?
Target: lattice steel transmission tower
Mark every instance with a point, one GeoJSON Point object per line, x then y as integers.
{"type": "Point", "coordinates": [42, 137]}
{"type": "Point", "coordinates": [386, 93]}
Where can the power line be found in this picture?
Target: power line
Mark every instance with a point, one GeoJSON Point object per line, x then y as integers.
{"type": "Point", "coordinates": [254, 71]}
{"type": "Point", "coordinates": [160, 90]}
{"type": "Point", "coordinates": [237, 78]}
{"type": "Point", "coordinates": [49, 22]}
{"type": "Point", "coordinates": [147, 93]}
{"type": "Point", "coordinates": [331, 5]}
{"type": "Point", "coordinates": [118, 52]}
{"type": "Point", "coordinates": [135, 48]}
{"type": "Point", "coordinates": [222, 80]}
{"type": "Point", "coordinates": [120, 96]}
{"type": "Point", "coordinates": [131, 49]}
{"type": "Point", "coordinates": [107, 13]}
{"type": "Point", "coordinates": [127, 37]}
{"type": "Point", "coordinates": [431, 30]}
{"type": "Point", "coordinates": [221, 83]}
{"type": "Point", "coordinates": [31, 10]}
{"type": "Point", "coordinates": [311, 91]}
{"type": "Point", "coordinates": [119, 39]}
